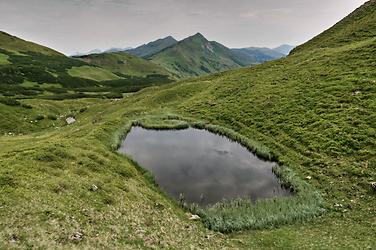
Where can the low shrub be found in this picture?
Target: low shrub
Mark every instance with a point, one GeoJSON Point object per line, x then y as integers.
{"type": "Point", "coordinates": [39, 117]}
{"type": "Point", "coordinates": [26, 106]}
{"type": "Point", "coordinates": [114, 95]}
{"type": "Point", "coordinates": [52, 117]}
{"type": "Point", "coordinates": [10, 102]}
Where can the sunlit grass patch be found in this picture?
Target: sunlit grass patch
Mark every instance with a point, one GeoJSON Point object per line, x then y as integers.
{"type": "Point", "coordinates": [4, 59]}
{"type": "Point", "coordinates": [92, 73]}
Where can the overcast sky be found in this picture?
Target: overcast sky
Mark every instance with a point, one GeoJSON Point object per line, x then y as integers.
{"type": "Point", "coordinates": [81, 25]}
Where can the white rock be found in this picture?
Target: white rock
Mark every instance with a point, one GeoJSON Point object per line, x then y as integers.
{"type": "Point", "coordinates": [70, 120]}
{"type": "Point", "coordinates": [373, 184]}
{"type": "Point", "coordinates": [77, 236]}
{"type": "Point", "coordinates": [194, 217]}
{"type": "Point", "coordinates": [94, 188]}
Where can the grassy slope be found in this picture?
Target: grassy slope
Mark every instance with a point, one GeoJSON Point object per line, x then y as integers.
{"type": "Point", "coordinates": [12, 43]}
{"type": "Point", "coordinates": [195, 56]}
{"type": "Point", "coordinates": [22, 61]}
{"type": "Point", "coordinates": [124, 63]}
{"type": "Point", "coordinates": [92, 73]}
{"type": "Point", "coordinates": [315, 109]}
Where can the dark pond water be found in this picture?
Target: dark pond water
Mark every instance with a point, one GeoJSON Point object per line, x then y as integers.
{"type": "Point", "coordinates": [205, 167]}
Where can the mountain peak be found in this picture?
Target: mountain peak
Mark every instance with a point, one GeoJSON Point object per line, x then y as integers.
{"type": "Point", "coordinates": [197, 37]}
{"type": "Point", "coordinates": [169, 38]}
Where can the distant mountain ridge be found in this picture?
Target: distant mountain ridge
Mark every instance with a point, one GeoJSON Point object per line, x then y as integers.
{"type": "Point", "coordinates": [98, 51]}
{"type": "Point", "coordinates": [196, 56]}
{"type": "Point", "coordinates": [192, 56]}
{"type": "Point", "coordinates": [253, 55]}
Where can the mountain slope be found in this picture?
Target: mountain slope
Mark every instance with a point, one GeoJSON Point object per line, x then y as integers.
{"type": "Point", "coordinates": [196, 56]}
{"type": "Point", "coordinates": [15, 44]}
{"type": "Point", "coordinates": [152, 48]}
{"type": "Point", "coordinates": [121, 62]}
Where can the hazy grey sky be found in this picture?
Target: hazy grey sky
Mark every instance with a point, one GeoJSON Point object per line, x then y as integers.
{"type": "Point", "coordinates": [81, 25]}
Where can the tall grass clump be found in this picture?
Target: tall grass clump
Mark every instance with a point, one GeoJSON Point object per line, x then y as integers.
{"type": "Point", "coordinates": [241, 214]}
{"type": "Point", "coordinates": [244, 214]}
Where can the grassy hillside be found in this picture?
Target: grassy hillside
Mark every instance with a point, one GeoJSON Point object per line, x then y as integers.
{"type": "Point", "coordinates": [152, 48]}
{"type": "Point", "coordinates": [314, 110]}
{"type": "Point", "coordinates": [124, 63]}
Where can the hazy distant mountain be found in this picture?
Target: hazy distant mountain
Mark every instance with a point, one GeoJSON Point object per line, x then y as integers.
{"type": "Point", "coordinates": [255, 55]}
{"type": "Point", "coordinates": [98, 51]}
{"type": "Point", "coordinates": [152, 48]}
{"type": "Point", "coordinates": [284, 49]}
{"type": "Point", "coordinates": [117, 49]}
{"type": "Point", "coordinates": [94, 51]}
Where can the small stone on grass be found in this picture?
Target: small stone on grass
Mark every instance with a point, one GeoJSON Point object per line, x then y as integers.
{"type": "Point", "coordinates": [77, 236]}
{"type": "Point", "coordinates": [194, 217]}
{"type": "Point", "coordinates": [93, 188]}
{"type": "Point", "coordinates": [70, 120]}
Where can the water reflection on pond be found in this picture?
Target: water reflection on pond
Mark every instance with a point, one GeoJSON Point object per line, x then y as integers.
{"type": "Point", "coordinates": [205, 167]}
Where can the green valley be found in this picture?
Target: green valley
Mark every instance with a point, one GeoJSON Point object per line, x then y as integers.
{"type": "Point", "coordinates": [22, 61]}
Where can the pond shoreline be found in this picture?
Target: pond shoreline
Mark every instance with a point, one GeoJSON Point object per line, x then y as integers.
{"type": "Point", "coordinates": [241, 214]}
